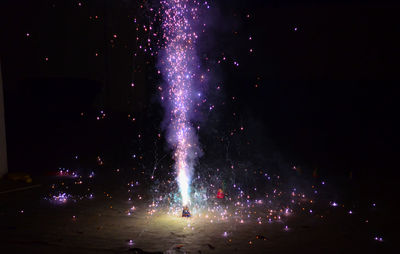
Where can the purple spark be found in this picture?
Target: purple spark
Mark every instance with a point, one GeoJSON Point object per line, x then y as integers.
{"type": "Point", "coordinates": [179, 62]}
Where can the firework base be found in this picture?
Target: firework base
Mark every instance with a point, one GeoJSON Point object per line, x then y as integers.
{"type": "Point", "coordinates": [186, 212]}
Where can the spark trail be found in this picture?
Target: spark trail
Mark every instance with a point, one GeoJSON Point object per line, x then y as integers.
{"type": "Point", "coordinates": [180, 64]}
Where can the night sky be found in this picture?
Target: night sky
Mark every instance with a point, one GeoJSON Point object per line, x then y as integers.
{"type": "Point", "coordinates": [317, 81]}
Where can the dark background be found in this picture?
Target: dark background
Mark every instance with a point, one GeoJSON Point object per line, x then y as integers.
{"type": "Point", "coordinates": [323, 96]}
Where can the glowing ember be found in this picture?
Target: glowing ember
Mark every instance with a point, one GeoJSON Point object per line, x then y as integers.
{"type": "Point", "coordinates": [60, 198]}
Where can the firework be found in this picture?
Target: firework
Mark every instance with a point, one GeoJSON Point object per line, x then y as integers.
{"type": "Point", "coordinates": [180, 66]}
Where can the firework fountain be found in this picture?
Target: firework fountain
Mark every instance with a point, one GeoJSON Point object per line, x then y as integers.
{"type": "Point", "coordinates": [180, 66]}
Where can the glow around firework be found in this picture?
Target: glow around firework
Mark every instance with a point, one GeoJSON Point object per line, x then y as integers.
{"type": "Point", "coordinates": [180, 64]}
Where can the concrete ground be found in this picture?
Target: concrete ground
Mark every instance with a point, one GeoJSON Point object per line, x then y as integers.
{"type": "Point", "coordinates": [31, 224]}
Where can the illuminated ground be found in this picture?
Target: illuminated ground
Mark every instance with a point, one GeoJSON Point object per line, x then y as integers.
{"type": "Point", "coordinates": [106, 224]}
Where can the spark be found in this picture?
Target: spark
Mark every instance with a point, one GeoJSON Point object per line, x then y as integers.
{"type": "Point", "coordinates": [179, 60]}
{"type": "Point", "coordinates": [61, 198]}
{"type": "Point", "coordinates": [334, 204]}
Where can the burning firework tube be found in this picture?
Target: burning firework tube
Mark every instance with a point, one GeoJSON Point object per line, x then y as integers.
{"type": "Point", "coordinates": [185, 212]}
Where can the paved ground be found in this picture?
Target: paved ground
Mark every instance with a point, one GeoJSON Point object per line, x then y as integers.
{"type": "Point", "coordinates": [30, 224]}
